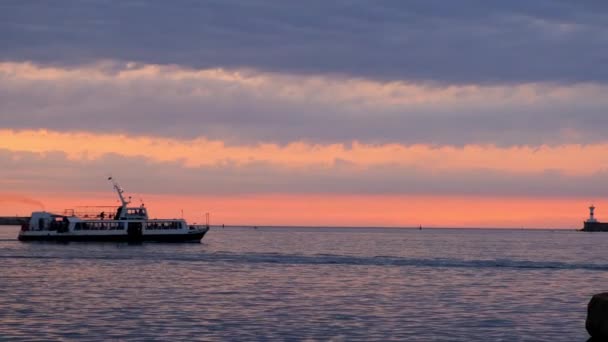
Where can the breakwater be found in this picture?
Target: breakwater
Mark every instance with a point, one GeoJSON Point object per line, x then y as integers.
{"type": "Point", "coordinates": [13, 220]}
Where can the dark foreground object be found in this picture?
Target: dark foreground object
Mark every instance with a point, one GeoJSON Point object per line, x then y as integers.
{"type": "Point", "coordinates": [595, 227]}
{"type": "Point", "coordinates": [597, 317]}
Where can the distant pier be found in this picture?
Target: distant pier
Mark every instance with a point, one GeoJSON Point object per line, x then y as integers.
{"type": "Point", "coordinates": [592, 224]}
{"type": "Point", "coordinates": [13, 220]}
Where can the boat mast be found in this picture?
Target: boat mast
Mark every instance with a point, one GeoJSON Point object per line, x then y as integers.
{"type": "Point", "coordinates": [119, 191]}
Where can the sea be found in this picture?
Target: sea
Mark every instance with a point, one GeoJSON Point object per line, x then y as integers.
{"type": "Point", "coordinates": [306, 284]}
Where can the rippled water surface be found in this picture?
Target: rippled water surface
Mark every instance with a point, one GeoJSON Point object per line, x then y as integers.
{"type": "Point", "coordinates": [306, 284]}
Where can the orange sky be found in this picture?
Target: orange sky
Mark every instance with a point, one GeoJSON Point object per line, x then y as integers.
{"type": "Point", "coordinates": [310, 209]}
{"type": "Point", "coordinates": [463, 185]}
{"type": "Point", "coordinates": [335, 210]}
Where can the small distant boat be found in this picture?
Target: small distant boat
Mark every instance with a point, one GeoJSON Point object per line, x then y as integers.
{"type": "Point", "coordinates": [123, 223]}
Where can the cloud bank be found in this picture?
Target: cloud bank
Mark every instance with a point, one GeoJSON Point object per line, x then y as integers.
{"type": "Point", "coordinates": [55, 171]}
{"type": "Point", "coordinates": [464, 42]}
{"type": "Point", "coordinates": [200, 152]}
{"type": "Point", "coordinates": [245, 106]}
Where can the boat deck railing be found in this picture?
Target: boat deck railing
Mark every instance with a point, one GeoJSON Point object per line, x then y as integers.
{"type": "Point", "coordinates": [92, 212]}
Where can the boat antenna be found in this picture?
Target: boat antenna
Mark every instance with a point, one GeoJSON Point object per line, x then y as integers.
{"type": "Point", "coordinates": [119, 191]}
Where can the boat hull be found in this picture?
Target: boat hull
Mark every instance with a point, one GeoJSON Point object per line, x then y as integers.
{"type": "Point", "coordinates": [68, 237]}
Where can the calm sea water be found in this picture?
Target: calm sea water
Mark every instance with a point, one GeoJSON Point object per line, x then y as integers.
{"type": "Point", "coordinates": [306, 284]}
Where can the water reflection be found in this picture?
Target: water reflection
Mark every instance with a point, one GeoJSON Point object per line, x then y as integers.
{"type": "Point", "coordinates": [320, 285]}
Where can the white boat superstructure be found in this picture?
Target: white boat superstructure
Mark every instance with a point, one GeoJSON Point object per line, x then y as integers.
{"type": "Point", "coordinates": [123, 223]}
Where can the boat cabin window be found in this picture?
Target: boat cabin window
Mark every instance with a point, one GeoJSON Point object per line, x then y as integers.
{"type": "Point", "coordinates": [58, 223]}
{"type": "Point", "coordinates": [135, 211]}
{"type": "Point", "coordinates": [99, 226]}
{"type": "Point", "coordinates": [160, 225]}
{"type": "Point", "coordinates": [130, 214]}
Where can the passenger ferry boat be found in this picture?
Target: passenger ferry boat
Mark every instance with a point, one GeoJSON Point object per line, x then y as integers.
{"type": "Point", "coordinates": [124, 223]}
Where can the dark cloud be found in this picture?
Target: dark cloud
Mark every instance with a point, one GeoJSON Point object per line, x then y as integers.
{"type": "Point", "coordinates": [469, 41]}
{"type": "Point", "coordinates": [24, 171]}
{"type": "Point", "coordinates": [271, 108]}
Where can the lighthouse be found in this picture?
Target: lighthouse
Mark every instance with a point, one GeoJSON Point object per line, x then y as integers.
{"type": "Point", "coordinates": [592, 224]}
{"type": "Point", "coordinates": [591, 217]}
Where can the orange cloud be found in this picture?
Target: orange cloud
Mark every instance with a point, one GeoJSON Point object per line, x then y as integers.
{"type": "Point", "coordinates": [571, 159]}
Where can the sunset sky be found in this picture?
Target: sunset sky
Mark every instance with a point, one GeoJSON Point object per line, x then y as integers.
{"type": "Point", "coordinates": [341, 113]}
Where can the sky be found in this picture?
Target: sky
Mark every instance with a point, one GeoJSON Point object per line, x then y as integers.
{"type": "Point", "coordinates": [343, 113]}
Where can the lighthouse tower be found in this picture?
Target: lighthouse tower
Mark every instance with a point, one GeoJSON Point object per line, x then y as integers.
{"type": "Point", "coordinates": [591, 217]}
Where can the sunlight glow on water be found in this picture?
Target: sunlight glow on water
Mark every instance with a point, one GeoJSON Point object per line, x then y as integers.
{"type": "Point", "coordinates": [318, 284]}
